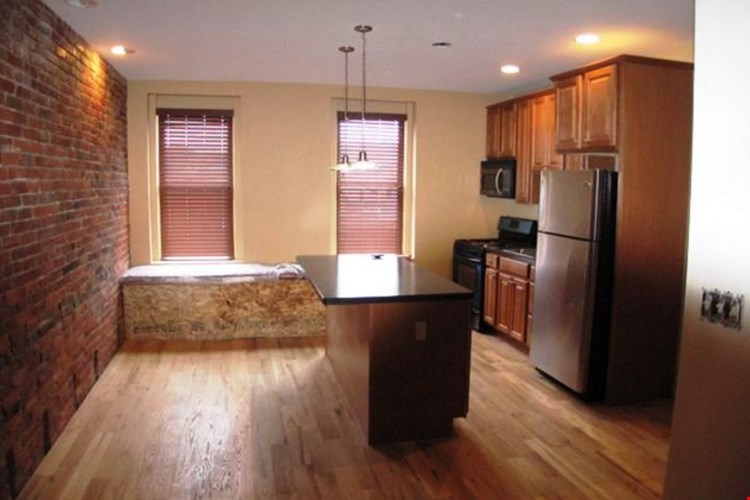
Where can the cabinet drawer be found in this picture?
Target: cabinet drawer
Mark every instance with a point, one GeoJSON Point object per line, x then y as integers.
{"type": "Point", "coordinates": [514, 267]}
{"type": "Point", "coordinates": [491, 259]}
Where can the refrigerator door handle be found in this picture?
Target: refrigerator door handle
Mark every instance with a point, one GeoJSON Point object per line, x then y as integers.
{"type": "Point", "coordinates": [591, 186]}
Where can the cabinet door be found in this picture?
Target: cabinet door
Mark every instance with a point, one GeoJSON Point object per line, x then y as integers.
{"type": "Point", "coordinates": [519, 310]}
{"type": "Point", "coordinates": [508, 130]}
{"type": "Point", "coordinates": [523, 151]}
{"type": "Point", "coordinates": [543, 139]}
{"type": "Point", "coordinates": [530, 313]}
{"type": "Point", "coordinates": [490, 297]}
{"type": "Point", "coordinates": [505, 291]}
{"type": "Point", "coordinates": [543, 154]}
{"type": "Point", "coordinates": [599, 108]}
{"type": "Point", "coordinates": [568, 118]}
{"type": "Point", "coordinates": [549, 109]}
{"type": "Point", "coordinates": [493, 131]}
{"type": "Point", "coordinates": [501, 130]}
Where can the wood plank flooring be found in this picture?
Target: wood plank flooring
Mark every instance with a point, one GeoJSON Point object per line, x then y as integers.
{"type": "Point", "coordinates": [267, 419]}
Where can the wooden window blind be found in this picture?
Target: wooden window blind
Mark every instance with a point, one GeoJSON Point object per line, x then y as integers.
{"type": "Point", "coordinates": [195, 184]}
{"type": "Point", "coordinates": [370, 202]}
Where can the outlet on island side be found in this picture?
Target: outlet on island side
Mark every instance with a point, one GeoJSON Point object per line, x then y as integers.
{"type": "Point", "coordinates": [723, 307]}
{"type": "Point", "coordinates": [420, 331]}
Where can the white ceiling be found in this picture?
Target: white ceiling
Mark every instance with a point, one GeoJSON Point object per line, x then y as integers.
{"type": "Point", "coordinates": [297, 40]}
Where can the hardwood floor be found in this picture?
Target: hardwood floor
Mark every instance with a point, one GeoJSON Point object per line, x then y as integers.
{"type": "Point", "coordinates": [267, 418]}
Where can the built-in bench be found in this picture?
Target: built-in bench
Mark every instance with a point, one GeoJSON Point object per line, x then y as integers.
{"type": "Point", "coordinates": [225, 301]}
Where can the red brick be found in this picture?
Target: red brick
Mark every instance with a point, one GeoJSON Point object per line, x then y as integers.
{"type": "Point", "coordinates": [7, 85]}
{"type": "Point", "coordinates": [12, 116]}
{"type": "Point", "coordinates": [63, 216]}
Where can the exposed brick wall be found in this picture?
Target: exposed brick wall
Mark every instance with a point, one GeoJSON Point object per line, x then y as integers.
{"type": "Point", "coordinates": [63, 228]}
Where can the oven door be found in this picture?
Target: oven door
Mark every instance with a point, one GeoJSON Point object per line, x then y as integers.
{"type": "Point", "coordinates": [469, 272]}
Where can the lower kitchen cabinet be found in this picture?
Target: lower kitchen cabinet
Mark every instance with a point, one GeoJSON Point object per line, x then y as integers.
{"type": "Point", "coordinates": [530, 303]}
{"type": "Point", "coordinates": [516, 297]}
{"type": "Point", "coordinates": [506, 296]}
{"type": "Point", "coordinates": [490, 295]}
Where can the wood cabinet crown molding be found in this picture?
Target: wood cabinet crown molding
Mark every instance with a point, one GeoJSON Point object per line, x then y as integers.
{"type": "Point", "coordinates": [522, 97]}
{"type": "Point", "coordinates": [623, 58]}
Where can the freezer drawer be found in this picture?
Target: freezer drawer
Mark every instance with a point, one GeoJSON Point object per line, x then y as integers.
{"type": "Point", "coordinates": [563, 308]}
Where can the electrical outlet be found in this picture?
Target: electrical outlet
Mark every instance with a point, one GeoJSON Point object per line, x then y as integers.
{"type": "Point", "coordinates": [722, 307]}
{"type": "Point", "coordinates": [420, 331]}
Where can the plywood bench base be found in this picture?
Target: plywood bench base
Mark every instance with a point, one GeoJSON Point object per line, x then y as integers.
{"type": "Point", "coordinates": [216, 308]}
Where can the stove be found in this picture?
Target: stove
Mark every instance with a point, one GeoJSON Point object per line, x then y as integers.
{"type": "Point", "coordinates": [469, 258]}
{"type": "Point", "coordinates": [479, 247]}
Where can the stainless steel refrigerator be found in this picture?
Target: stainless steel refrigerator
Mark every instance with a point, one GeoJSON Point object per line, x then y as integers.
{"type": "Point", "coordinates": [574, 273]}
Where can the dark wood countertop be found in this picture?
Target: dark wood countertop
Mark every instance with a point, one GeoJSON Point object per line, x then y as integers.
{"type": "Point", "coordinates": [361, 278]}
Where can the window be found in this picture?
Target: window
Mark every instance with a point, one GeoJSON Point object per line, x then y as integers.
{"type": "Point", "coordinates": [195, 184]}
{"type": "Point", "coordinates": [369, 207]}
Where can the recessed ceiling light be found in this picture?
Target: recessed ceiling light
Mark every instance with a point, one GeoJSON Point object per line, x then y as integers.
{"type": "Point", "coordinates": [509, 69]}
{"type": "Point", "coordinates": [587, 38]}
{"type": "Point", "coordinates": [85, 4]}
{"type": "Point", "coordinates": [441, 44]}
{"type": "Point", "coordinates": [121, 50]}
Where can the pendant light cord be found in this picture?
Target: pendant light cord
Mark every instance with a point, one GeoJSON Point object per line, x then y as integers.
{"type": "Point", "coordinates": [346, 50]}
{"type": "Point", "coordinates": [363, 29]}
{"type": "Point", "coordinates": [364, 86]}
{"type": "Point", "coordinates": [346, 85]}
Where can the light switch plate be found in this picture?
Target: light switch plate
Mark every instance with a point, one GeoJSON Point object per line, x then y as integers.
{"type": "Point", "coordinates": [718, 306]}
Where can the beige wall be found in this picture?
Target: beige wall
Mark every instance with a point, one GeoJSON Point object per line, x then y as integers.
{"type": "Point", "coordinates": [711, 431]}
{"type": "Point", "coordinates": [285, 144]}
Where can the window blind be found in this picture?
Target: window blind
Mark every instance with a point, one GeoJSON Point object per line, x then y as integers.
{"type": "Point", "coordinates": [196, 184]}
{"type": "Point", "coordinates": [370, 202]}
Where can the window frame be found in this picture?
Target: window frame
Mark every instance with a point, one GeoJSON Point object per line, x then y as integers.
{"type": "Point", "coordinates": [216, 185]}
{"type": "Point", "coordinates": [191, 101]}
{"type": "Point", "coordinates": [401, 241]}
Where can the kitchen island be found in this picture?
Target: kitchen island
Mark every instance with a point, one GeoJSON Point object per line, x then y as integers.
{"type": "Point", "coordinates": [399, 340]}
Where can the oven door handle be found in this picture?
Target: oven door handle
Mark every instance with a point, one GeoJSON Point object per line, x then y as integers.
{"type": "Point", "coordinates": [498, 176]}
{"type": "Point", "coordinates": [467, 260]}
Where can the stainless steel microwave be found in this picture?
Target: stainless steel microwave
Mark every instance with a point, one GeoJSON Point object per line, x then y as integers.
{"type": "Point", "coordinates": [498, 178]}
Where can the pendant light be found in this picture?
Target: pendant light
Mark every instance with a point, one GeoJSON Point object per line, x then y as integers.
{"type": "Point", "coordinates": [363, 162]}
{"type": "Point", "coordinates": [345, 163]}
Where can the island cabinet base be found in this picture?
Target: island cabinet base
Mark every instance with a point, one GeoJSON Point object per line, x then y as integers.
{"type": "Point", "coordinates": [404, 366]}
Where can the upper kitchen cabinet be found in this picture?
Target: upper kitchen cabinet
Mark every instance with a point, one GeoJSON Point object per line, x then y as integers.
{"type": "Point", "coordinates": [524, 128]}
{"type": "Point", "coordinates": [524, 134]}
{"type": "Point", "coordinates": [501, 130]}
{"type": "Point", "coordinates": [568, 121]}
{"type": "Point", "coordinates": [599, 109]}
{"type": "Point", "coordinates": [543, 153]}
{"type": "Point", "coordinates": [535, 148]}
{"type": "Point", "coordinates": [587, 105]}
